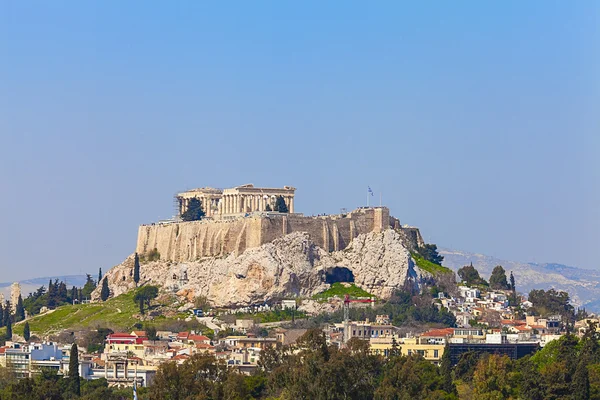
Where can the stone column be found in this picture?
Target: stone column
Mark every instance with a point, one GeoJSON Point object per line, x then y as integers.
{"type": "Point", "coordinates": [291, 207]}
{"type": "Point", "coordinates": [228, 202]}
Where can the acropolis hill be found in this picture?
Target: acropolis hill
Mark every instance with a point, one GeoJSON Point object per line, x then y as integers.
{"type": "Point", "coordinates": [236, 220]}
{"type": "Point", "coordinates": [241, 254]}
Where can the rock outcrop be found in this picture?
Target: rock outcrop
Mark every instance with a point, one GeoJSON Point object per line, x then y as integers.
{"type": "Point", "coordinates": [288, 266]}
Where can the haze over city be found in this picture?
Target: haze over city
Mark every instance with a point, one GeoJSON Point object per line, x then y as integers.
{"type": "Point", "coordinates": [478, 123]}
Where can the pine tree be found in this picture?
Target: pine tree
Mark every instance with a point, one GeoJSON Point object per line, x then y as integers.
{"type": "Point", "coordinates": [20, 310]}
{"type": "Point", "coordinates": [280, 205]}
{"type": "Point", "coordinates": [136, 269]}
{"type": "Point", "coordinates": [74, 370]}
{"type": "Point", "coordinates": [74, 294]}
{"type": "Point", "coordinates": [104, 292]}
{"type": "Point", "coordinates": [26, 332]}
{"type": "Point", "coordinates": [395, 351]}
{"type": "Point", "coordinates": [51, 302]}
{"type": "Point", "coordinates": [446, 370]}
{"type": "Point", "coordinates": [1, 315]}
{"type": "Point", "coordinates": [99, 275]}
{"type": "Point", "coordinates": [498, 278]}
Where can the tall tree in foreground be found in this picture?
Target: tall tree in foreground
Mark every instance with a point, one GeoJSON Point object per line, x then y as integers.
{"type": "Point", "coordinates": [104, 292]}
{"type": "Point", "coordinates": [26, 332]}
{"type": "Point", "coordinates": [74, 370]}
{"type": "Point", "coordinates": [280, 205]}
{"type": "Point", "coordinates": [446, 371]}
{"type": "Point", "coordinates": [194, 211]}
{"type": "Point", "coordinates": [136, 269]}
{"type": "Point", "coordinates": [581, 380]}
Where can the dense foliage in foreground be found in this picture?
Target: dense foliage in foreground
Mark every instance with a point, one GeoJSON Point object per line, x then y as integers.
{"type": "Point", "coordinates": [568, 368]}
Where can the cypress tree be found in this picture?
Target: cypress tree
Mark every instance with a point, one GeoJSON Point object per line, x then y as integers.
{"type": "Point", "coordinates": [136, 269]}
{"type": "Point", "coordinates": [512, 282]}
{"type": "Point", "coordinates": [20, 310]}
{"type": "Point", "coordinates": [99, 275]}
{"type": "Point", "coordinates": [74, 370]}
{"type": "Point", "coordinates": [194, 211]}
{"type": "Point", "coordinates": [8, 328]}
{"type": "Point", "coordinates": [1, 315]}
{"type": "Point", "coordinates": [446, 370]}
{"type": "Point", "coordinates": [26, 332]}
{"type": "Point", "coordinates": [581, 381]}
{"type": "Point", "coordinates": [104, 292]}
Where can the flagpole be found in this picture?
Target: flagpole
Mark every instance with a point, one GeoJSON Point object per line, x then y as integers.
{"type": "Point", "coordinates": [367, 198]}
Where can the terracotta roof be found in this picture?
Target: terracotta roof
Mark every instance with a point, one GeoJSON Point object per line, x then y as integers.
{"type": "Point", "coordinates": [537, 326]}
{"type": "Point", "coordinates": [198, 338]}
{"type": "Point", "coordinates": [139, 333]}
{"type": "Point", "coordinates": [181, 357]}
{"type": "Point", "coordinates": [120, 334]}
{"type": "Point", "coordinates": [439, 332]}
{"type": "Point", "coordinates": [204, 346]}
{"type": "Point", "coordinates": [183, 334]}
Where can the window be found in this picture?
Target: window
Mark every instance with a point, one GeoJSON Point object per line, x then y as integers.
{"type": "Point", "coordinates": [436, 353]}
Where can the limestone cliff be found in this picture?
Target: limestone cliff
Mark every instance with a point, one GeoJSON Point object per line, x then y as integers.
{"type": "Point", "coordinates": [291, 265]}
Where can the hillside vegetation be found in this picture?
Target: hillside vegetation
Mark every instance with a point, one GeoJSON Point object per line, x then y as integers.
{"type": "Point", "coordinates": [338, 289]}
{"type": "Point", "coordinates": [118, 313]}
{"type": "Point", "coordinates": [428, 266]}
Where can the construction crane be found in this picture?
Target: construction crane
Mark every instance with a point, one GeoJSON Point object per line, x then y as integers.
{"type": "Point", "coordinates": [347, 301]}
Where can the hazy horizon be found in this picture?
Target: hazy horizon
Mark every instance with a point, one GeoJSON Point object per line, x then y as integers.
{"type": "Point", "coordinates": [477, 122]}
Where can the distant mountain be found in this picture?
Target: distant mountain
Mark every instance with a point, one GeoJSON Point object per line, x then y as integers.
{"type": "Point", "coordinates": [583, 285]}
{"type": "Point", "coordinates": [30, 285]}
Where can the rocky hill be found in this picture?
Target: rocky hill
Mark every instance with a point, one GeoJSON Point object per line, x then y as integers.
{"type": "Point", "coordinates": [288, 266]}
{"type": "Point", "coordinates": [583, 285]}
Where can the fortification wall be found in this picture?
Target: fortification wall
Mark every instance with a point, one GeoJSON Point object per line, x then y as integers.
{"type": "Point", "coordinates": [189, 241]}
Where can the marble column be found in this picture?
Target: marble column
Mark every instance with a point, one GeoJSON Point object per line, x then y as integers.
{"type": "Point", "coordinates": [291, 204]}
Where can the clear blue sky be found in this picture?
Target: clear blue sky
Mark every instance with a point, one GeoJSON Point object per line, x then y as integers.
{"type": "Point", "coordinates": [479, 122]}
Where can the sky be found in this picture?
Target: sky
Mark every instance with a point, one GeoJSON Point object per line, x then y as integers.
{"type": "Point", "coordinates": [478, 122]}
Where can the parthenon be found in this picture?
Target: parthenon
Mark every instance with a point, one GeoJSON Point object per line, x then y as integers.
{"type": "Point", "coordinates": [238, 200]}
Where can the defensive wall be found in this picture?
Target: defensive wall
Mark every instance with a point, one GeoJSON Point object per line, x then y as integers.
{"type": "Point", "coordinates": [189, 241]}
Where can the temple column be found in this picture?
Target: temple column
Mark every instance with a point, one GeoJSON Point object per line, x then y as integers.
{"type": "Point", "coordinates": [228, 204]}
{"type": "Point", "coordinates": [291, 205]}
{"type": "Point", "coordinates": [225, 204]}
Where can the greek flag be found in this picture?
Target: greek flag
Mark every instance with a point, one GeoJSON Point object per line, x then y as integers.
{"type": "Point", "coordinates": [134, 392]}
{"type": "Point", "coordinates": [369, 190]}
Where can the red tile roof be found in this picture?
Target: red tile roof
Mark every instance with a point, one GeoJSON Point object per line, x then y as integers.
{"type": "Point", "coordinates": [439, 332]}
{"type": "Point", "coordinates": [198, 338]}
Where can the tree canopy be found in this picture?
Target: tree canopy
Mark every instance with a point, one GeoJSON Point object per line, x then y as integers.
{"type": "Point", "coordinates": [194, 211]}
{"type": "Point", "coordinates": [470, 275]}
{"type": "Point", "coordinates": [498, 278]}
{"type": "Point", "coordinates": [430, 253]}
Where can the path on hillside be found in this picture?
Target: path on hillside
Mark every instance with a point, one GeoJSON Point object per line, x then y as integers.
{"type": "Point", "coordinates": [208, 321]}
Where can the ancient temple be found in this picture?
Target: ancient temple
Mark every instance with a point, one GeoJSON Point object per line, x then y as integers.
{"type": "Point", "coordinates": [238, 200]}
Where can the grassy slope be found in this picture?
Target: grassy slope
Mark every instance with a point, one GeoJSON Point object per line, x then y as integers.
{"type": "Point", "coordinates": [337, 289]}
{"type": "Point", "coordinates": [117, 313]}
{"type": "Point", "coordinates": [428, 265]}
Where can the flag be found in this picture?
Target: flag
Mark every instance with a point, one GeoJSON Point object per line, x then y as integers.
{"type": "Point", "coordinates": [370, 191]}
{"type": "Point", "coordinates": [134, 392]}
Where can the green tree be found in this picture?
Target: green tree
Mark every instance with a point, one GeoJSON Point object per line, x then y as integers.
{"type": "Point", "coordinates": [104, 292]}
{"type": "Point", "coordinates": [491, 378]}
{"type": "Point", "coordinates": [280, 205]}
{"type": "Point", "coordinates": [89, 286]}
{"type": "Point", "coordinates": [74, 370]}
{"type": "Point", "coordinates": [145, 295]}
{"type": "Point", "coordinates": [513, 287]}
{"type": "Point", "coordinates": [268, 207]}
{"type": "Point", "coordinates": [19, 310]}
{"type": "Point", "coordinates": [470, 275]}
{"type": "Point", "coordinates": [136, 269]}
{"type": "Point", "coordinates": [430, 253]}
{"type": "Point", "coordinates": [446, 370]}
{"type": "Point", "coordinates": [151, 332]}
{"type": "Point", "coordinates": [99, 275]}
{"type": "Point", "coordinates": [581, 380]}
{"type": "Point", "coordinates": [1, 315]}
{"type": "Point", "coordinates": [498, 278]}
{"type": "Point", "coordinates": [194, 211]}
{"type": "Point", "coordinates": [8, 324]}
{"type": "Point", "coordinates": [26, 332]}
